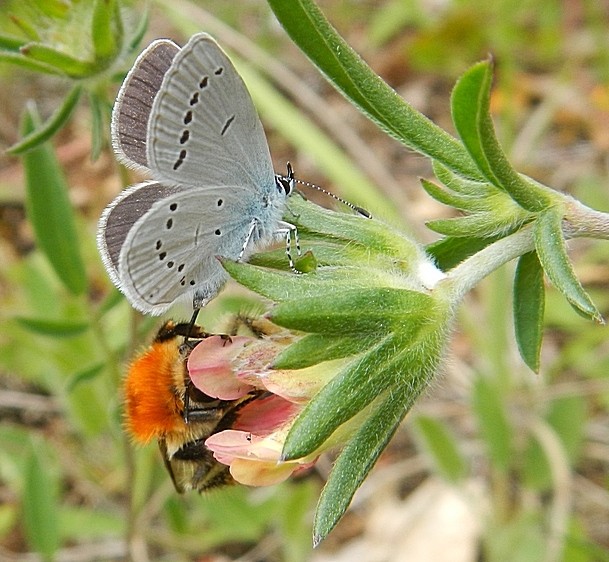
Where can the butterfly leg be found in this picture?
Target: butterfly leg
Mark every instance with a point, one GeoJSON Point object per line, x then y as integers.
{"type": "Point", "coordinates": [289, 230]}
{"type": "Point", "coordinates": [248, 237]}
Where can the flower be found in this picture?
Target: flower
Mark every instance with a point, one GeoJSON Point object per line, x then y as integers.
{"type": "Point", "coordinates": [231, 368]}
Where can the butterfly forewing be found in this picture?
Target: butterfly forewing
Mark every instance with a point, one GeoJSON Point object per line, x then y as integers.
{"type": "Point", "coordinates": [203, 128]}
{"type": "Point", "coordinates": [134, 102]}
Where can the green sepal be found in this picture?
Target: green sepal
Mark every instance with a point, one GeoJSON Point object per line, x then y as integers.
{"type": "Point", "coordinates": [286, 285]}
{"type": "Point", "coordinates": [371, 310]}
{"type": "Point", "coordinates": [349, 392]}
{"type": "Point", "coordinates": [377, 237]}
{"type": "Point", "coordinates": [316, 348]}
{"type": "Point", "coordinates": [552, 251]}
{"type": "Point", "coordinates": [355, 462]}
{"type": "Point", "coordinates": [529, 301]}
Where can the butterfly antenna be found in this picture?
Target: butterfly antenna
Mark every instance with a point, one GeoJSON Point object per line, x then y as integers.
{"type": "Point", "coordinates": [356, 208]}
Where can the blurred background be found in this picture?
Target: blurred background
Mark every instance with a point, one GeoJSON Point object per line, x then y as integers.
{"type": "Point", "coordinates": [494, 463]}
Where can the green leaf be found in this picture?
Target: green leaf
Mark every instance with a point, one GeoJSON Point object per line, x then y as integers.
{"type": "Point", "coordinates": [355, 312]}
{"type": "Point", "coordinates": [552, 251]}
{"type": "Point", "coordinates": [27, 63]}
{"type": "Point", "coordinates": [462, 185]}
{"type": "Point", "coordinates": [40, 506]}
{"type": "Point", "coordinates": [451, 251]}
{"type": "Point", "coordinates": [10, 43]}
{"type": "Point", "coordinates": [529, 301]}
{"type": "Point", "coordinates": [66, 64]}
{"type": "Point", "coordinates": [84, 376]}
{"type": "Point", "coordinates": [457, 201]}
{"type": "Point", "coordinates": [140, 30]}
{"type": "Point", "coordinates": [480, 225]}
{"type": "Point", "coordinates": [470, 107]}
{"type": "Point", "coordinates": [567, 416]}
{"type": "Point", "coordinates": [50, 211]}
{"type": "Point", "coordinates": [45, 131]}
{"type": "Point", "coordinates": [53, 328]}
{"type": "Point", "coordinates": [355, 462]}
{"type": "Point", "coordinates": [307, 26]}
{"type": "Point", "coordinates": [493, 423]}
{"type": "Point", "coordinates": [441, 445]}
{"type": "Point", "coordinates": [107, 30]}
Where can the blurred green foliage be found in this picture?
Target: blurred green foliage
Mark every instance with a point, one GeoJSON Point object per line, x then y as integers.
{"type": "Point", "coordinates": [69, 475]}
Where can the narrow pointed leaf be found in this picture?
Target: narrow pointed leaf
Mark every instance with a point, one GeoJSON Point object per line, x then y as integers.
{"type": "Point", "coordinates": [27, 63]}
{"type": "Point", "coordinates": [11, 43]}
{"type": "Point", "coordinates": [50, 211]}
{"type": "Point", "coordinates": [40, 507]}
{"type": "Point", "coordinates": [56, 329]}
{"type": "Point", "coordinates": [355, 462]}
{"type": "Point", "coordinates": [67, 64]}
{"type": "Point", "coordinates": [457, 201]}
{"type": "Point", "coordinates": [470, 107]}
{"type": "Point", "coordinates": [479, 225]}
{"type": "Point", "coordinates": [311, 31]}
{"type": "Point", "coordinates": [452, 250]}
{"type": "Point", "coordinates": [84, 376]}
{"type": "Point", "coordinates": [441, 445]}
{"type": "Point", "coordinates": [463, 185]}
{"type": "Point", "coordinates": [47, 129]}
{"type": "Point", "coordinates": [107, 36]}
{"type": "Point", "coordinates": [529, 301]}
{"type": "Point", "coordinates": [552, 251]}
{"type": "Point", "coordinates": [493, 423]}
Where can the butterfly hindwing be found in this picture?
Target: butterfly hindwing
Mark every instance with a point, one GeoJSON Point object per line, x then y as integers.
{"type": "Point", "coordinates": [170, 252]}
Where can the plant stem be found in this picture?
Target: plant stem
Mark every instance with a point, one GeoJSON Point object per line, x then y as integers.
{"type": "Point", "coordinates": [471, 271]}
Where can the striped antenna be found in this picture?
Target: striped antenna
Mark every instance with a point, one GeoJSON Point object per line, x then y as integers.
{"type": "Point", "coordinates": [356, 208]}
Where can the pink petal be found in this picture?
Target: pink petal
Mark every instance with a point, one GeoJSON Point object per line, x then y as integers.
{"type": "Point", "coordinates": [256, 473]}
{"type": "Point", "coordinates": [230, 444]}
{"type": "Point", "coordinates": [265, 415]}
{"type": "Point", "coordinates": [210, 368]}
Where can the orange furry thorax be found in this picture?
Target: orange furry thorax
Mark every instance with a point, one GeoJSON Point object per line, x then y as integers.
{"type": "Point", "coordinates": [154, 389]}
